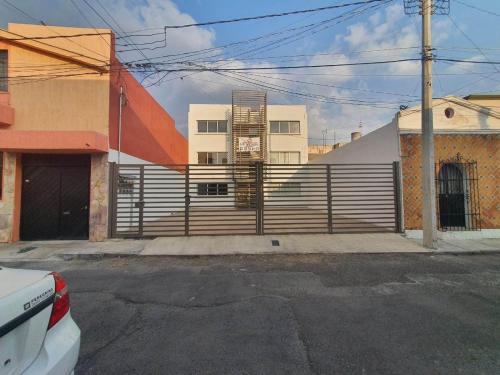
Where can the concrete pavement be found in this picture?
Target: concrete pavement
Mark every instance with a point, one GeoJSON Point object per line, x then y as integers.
{"type": "Point", "coordinates": [232, 245]}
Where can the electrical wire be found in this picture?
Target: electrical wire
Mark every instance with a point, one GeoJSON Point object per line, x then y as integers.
{"type": "Point", "coordinates": [271, 15]}
{"type": "Point", "coordinates": [477, 8]}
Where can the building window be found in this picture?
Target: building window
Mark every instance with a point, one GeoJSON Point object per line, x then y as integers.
{"type": "Point", "coordinates": [212, 189]}
{"type": "Point", "coordinates": [285, 127]}
{"type": "Point", "coordinates": [212, 157]}
{"type": "Point", "coordinates": [1, 174]}
{"type": "Point", "coordinates": [284, 157]}
{"type": "Point", "coordinates": [212, 126]}
{"type": "Point", "coordinates": [3, 71]}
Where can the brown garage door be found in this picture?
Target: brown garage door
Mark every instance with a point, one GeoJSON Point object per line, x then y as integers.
{"type": "Point", "coordinates": [55, 197]}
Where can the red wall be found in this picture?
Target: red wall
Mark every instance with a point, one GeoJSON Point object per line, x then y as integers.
{"type": "Point", "coordinates": [148, 131]}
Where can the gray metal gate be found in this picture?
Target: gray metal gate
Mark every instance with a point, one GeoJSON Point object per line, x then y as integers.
{"type": "Point", "coordinates": [258, 198]}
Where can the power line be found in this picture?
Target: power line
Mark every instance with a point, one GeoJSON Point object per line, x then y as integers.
{"type": "Point", "coordinates": [49, 37]}
{"type": "Point", "coordinates": [21, 11]}
{"type": "Point", "coordinates": [272, 15]}
{"type": "Point", "coordinates": [477, 8]}
{"type": "Point", "coordinates": [334, 86]}
{"type": "Point", "coordinates": [107, 23]}
{"type": "Point", "coordinates": [277, 67]}
{"type": "Point", "coordinates": [82, 13]}
{"type": "Point", "coordinates": [296, 36]}
{"type": "Point", "coordinates": [469, 61]}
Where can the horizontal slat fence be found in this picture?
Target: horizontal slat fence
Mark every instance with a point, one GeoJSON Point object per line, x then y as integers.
{"type": "Point", "coordinates": [178, 200]}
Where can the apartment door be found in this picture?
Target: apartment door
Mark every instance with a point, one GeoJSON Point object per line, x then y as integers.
{"type": "Point", "coordinates": [55, 197]}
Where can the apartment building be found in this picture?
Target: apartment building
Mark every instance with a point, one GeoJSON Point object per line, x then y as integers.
{"type": "Point", "coordinates": [241, 133]}
{"type": "Point", "coordinates": [213, 140]}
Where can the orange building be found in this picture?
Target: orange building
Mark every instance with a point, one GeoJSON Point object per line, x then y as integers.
{"type": "Point", "coordinates": [60, 126]}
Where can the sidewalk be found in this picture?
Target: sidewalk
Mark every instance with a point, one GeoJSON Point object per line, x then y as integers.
{"type": "Point", "coordinates": [230, 245]}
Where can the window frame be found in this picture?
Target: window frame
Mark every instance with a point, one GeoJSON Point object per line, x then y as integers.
{"type": "Point", "coordinates": [219, 155]}
{"type": "Point", "coordinates": [220, 124]}
{"type": "Point", "coordinates": [221, 189]}
{"type": "Point", "coordinates": [4, 85]}
{"type": "Point", "coordinates": [284, 123]}
{"type": "Point", "coordinates": [281, 159]}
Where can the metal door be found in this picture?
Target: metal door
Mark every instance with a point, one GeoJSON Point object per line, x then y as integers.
{"type": "Point", "coordinates": [55, 197]}
{"type": "Point", "coordinates": [458, 198]}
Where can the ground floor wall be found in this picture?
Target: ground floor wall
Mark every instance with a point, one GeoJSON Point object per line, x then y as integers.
{"type": "Point", "coordinates": [11, 200]}
{"type": "Point", "coordinates": [9, 227]}
{"type": "Point", "coordinates": [481, 148]}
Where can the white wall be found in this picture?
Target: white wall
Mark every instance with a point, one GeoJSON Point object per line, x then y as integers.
{"type": "Point", "coordinates": [468, 117]}
{"type": "Point", "coordinates": [288, 142]}
{"type": "Point", "coordinates": [208, 142]}
{"type": "Point", "coordinates": [199, 142]}
{"type": "Point", "coordinates": [379, 146]}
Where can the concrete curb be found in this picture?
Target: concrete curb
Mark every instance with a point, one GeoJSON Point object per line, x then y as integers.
{"type": "Point", "coordinates": [97, 257]}
{"type": "Point", "coordinates": [69, 257]}
{"type": "Point", "coordinates": [100, 256]}
{"type": "Point", "coordinates": [467, 252]}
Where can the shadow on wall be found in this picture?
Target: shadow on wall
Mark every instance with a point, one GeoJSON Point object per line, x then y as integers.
{"type": "Point", "coordinates": [148, 131]}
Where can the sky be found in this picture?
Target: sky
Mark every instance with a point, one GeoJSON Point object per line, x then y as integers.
{"type": "Point", "coordinates": [339, 99]}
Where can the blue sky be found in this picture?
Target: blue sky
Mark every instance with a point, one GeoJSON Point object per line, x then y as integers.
{"type": "Point", "coordinates": [367, 95]}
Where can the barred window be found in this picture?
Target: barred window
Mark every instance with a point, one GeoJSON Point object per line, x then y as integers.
{"type": "Point", "coordinates": [3, 70]}
{"type": "Point", "coordinates": [212, 189]}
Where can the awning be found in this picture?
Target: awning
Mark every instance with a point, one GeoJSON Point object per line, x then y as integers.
{"type": "Point", "coordinates": [43, 141]}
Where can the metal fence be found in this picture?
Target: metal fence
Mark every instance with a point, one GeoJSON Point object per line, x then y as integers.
{"type": "Point", "coordinates": [258, 198]}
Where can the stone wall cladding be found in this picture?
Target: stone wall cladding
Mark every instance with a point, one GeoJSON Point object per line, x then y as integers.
{"type": "Point", "coordinates": [7, 201]}
{"type": "Point", "coordinates": [98, 214]}
{"type": "Point", "coordinates": [482, 148]}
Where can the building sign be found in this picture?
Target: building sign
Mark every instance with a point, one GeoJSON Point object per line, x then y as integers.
{"type": "Point", "coordinates": [246, 144]}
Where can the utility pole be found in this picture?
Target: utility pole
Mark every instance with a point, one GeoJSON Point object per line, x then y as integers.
{"type": "Point", "coordinates": [324, 133]}
{"type": "Point", "coordinates": [428, 182]}
{"type": "Point", "coordinates": [120, 125]}
{"type": "Point", "coordinates": [426, 8]}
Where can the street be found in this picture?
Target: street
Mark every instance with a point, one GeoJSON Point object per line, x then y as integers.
{"type": "Point", "coordinates": [304, 314]}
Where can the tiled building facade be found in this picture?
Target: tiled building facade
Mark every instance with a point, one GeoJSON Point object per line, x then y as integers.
{"type": "Point", "coordinates": [484, 149]}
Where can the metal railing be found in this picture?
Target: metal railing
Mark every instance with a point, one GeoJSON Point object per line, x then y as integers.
{"type": "Point", "coordinates": [457, 188]}
{"type": "Point", "coordinates": [258, 198]}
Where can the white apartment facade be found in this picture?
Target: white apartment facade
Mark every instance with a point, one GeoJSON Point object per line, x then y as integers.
{"type": "Point", "coordinates": [210, 138]}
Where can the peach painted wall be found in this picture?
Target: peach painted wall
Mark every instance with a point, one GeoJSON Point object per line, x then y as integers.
{"type": "Point", "coordinates": [148, 131]}
{"type": "Point", "coordinates": [77, 99]}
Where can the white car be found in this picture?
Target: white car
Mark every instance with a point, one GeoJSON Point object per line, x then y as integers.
{"type": "Point", "coordinates": [37, 333]}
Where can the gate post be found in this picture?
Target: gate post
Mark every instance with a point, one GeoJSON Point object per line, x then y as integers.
{"type": "Point", "coordinates": [187, 200]}
{"type": "Point", "coordinates": [329, 197]}
{"type": "Point", "coordinates": [396, 180]}
{"type": "Point", "coordinates": [112, 197]}
{"type": "Point", "coordinates": [141, 201]}
{"type": "Point", "coordinates": [259, 197]}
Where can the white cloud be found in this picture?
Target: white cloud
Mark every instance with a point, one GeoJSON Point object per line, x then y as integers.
{"type": "Point", "coordinates": [388, 30]}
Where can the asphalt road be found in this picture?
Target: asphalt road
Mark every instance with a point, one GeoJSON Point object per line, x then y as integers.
{"type": "Point", "coordinates": [328, 314]}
